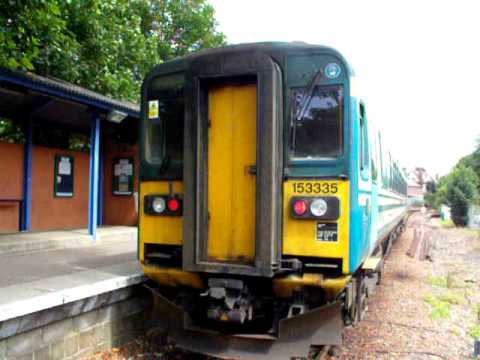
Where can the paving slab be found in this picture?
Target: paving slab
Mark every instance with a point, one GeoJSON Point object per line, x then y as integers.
{"type": "Point", "coordinates": [41, 280]}
{"type": "Point", "coordinates": [27, 242]}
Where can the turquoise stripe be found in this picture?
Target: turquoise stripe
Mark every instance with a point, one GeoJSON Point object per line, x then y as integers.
{"type": "Point", "coordinates": [389, 207]}
{"type": "Point", "coordinates": [368, 192]}
{"type": "Point", "coordinates": [390, 196]}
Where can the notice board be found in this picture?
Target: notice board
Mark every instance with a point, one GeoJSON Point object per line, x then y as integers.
{"type": "Point", "coordinates": [63, 176]}
{"type": "Point", "coordinates": [123, 176]}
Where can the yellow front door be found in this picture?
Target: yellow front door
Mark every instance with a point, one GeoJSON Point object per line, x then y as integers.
{"type": "Point", "coordinates": [231, 173]}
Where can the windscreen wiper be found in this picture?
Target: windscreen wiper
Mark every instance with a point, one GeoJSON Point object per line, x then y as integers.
{"type": "Point", "coordinates": [298, 115]}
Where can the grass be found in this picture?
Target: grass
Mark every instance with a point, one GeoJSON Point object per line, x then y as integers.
{"type": "Point", "coordinates": [440, 308]}
{"type": "Point", "coordinates": [452, 298]}
{"type": "Point", "coordinates": [448, 281]}
{"type": "Point", "coordinates": [475, 332]}
{"type": "Point", "coordinates": [438, 281]}
{"type": "Point", "coordinates": [448, 223]}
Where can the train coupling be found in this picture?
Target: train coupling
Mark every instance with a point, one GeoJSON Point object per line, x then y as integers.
{"type": "Point", "coordinates": [230, 301]}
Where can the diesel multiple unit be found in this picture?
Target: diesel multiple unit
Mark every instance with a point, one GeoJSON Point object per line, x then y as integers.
{"type": "Point", "coordinates": [267, 199]}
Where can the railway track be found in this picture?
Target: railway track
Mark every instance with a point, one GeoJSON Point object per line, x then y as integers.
{"type": "Point", "coordinates": [321, 353]}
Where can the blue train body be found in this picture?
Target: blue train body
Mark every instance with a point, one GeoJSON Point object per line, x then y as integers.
{"type": "Point", "coordinates": [377, 187]}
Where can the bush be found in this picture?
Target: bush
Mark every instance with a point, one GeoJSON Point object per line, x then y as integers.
{"type": "Point", "coordinates": [461, 192]}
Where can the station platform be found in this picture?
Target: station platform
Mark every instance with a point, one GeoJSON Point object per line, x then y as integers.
{"type": "Point", "coordinates": [65, 276]}
{"type": "Point", "coordinates": [23, 242]}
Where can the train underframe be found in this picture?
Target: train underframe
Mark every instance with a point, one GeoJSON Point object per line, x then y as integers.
{"type": "Point", "coordinates": [241, 317]}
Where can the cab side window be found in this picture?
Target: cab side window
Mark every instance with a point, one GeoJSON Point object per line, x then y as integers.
{"type": "Point", "coordinates": [364, 160]}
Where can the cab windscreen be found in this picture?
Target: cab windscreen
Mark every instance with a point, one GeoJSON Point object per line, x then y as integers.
{"type": "Point", "coordinates": [317, 122]}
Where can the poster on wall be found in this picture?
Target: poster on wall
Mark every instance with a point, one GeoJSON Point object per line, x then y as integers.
{"type": "Point", "coordinates": [63, 176]}
{"type": "Point", "coordinates": [123, 176]}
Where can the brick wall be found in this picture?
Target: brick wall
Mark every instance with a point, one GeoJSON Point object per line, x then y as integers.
{"type": "Point", "coordinates": [119, 209]}
{"type": "Point", "coordinates": [11, 185]}
{"type": "Point", "coordinates": [49, 212]}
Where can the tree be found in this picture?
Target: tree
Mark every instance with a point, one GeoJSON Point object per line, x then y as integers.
{"type": "Point", "coordinates": [460, 192]}
{"type": "Point", "coordinates": [420, 175]}
{"type": "Point", "coordinates": [11, 131]}
{"type": "Point", "coordinates": [473, 161]}
{"type": "Point", "coordinates": [106, 46]}
{"type": "Point", "coordinates": [431, 186]}
{"type": "Point", "coordinates": [436, 196]}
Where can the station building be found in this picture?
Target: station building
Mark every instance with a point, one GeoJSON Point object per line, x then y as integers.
{"type": "Point", "coordinates": [68, 156]}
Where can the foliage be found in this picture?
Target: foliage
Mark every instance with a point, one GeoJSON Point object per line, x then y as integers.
{"type": "Point", "coordinates": [431, 186]}
{"type": "Point", "coordinates": [437, 193]}
{"type": "Point", "coordinates": [452, 298]}
{"type": "Point", "coordinates": [438, 196]}
{"type": "Point", "coordinates": [461, 192]}
{"type": "Point", "coordinates": [106, 46]}
{"type": "Point", "coordinates": [438, 281]}
{"type": "Point", "coordinates": [458, 189]}
{"type": "Point", "coordinates": [430, 200]}
{"type": "Point", "coordinates": [473, 161]}
{"type": "Point", "coordinates": [475, 332]}
{"type": "Point", "coordinates": [447, 223]}
{"type": "Point", "coordinates": [11, 131]}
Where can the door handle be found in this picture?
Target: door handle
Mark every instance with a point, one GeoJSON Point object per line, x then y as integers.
{"type": "Point", "coordinates": [251, 169]}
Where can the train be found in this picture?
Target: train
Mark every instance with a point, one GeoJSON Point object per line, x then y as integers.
{"type": "Point", "coordinates": [268, 200]}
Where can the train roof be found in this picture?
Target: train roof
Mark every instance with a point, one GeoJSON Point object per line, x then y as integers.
{"type": "Point", "coordinates": [274, 49]}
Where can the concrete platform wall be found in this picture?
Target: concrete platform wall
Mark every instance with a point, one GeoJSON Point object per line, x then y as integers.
{"type": "Point", "coordinates": [79, 329]}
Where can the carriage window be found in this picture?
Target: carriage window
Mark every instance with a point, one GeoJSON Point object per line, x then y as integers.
{"type": "Point", "coordinates": [317, 123]}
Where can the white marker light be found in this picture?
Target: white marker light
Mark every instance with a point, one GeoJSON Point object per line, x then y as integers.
{"type": "Point", "coordinates": [318, 207]}
{"type": "Point", "coordinates": [158, 205]}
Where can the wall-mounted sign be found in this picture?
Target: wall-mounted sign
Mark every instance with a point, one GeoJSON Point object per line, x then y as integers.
{"type": "Point", "coordinates": [63, 176]}
{"type": "Point", "coordinates": [123, 176]}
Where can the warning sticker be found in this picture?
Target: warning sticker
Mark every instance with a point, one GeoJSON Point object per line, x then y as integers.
{"type": "Point", "coordinates": [153, 109]}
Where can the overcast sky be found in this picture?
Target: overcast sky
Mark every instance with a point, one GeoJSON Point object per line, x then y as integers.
{"type": "Point", "coordinates": [418, 63]}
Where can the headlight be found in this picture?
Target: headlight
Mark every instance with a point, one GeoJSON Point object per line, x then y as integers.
{"type": "Point", "coordinates": [318, 207]}
{"type": "Point", "coordinates": [158, 205]}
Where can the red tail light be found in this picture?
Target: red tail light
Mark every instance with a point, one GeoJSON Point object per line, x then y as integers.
{"type": "Point", "coordinates": [300, 207]}
{"type": "Point", "coordinates": [173, 204]}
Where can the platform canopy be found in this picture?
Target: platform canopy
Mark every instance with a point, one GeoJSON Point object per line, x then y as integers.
{"type": "Point", "coordinates": [45, 102]}
{"type": "Point", "coordinates": [51, 98]}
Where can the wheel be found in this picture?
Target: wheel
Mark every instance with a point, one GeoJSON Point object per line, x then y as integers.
{"type": "Point", "coordinates": [361, 299]}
